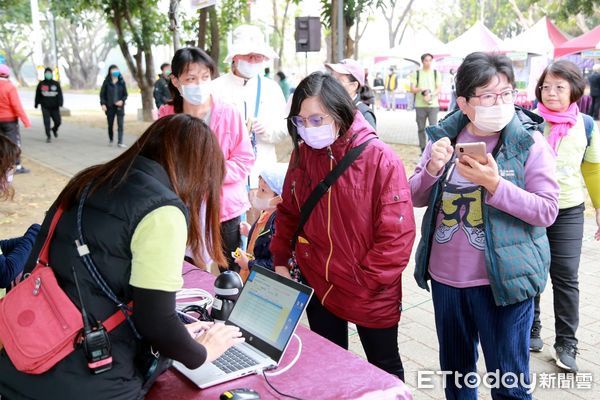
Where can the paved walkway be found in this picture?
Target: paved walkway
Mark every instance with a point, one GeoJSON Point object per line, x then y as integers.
{"type": "Point", "coordinates": [78, 147]}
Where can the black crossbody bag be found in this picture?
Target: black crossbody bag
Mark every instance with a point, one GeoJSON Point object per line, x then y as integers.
{"type": "Point", "coordinates": [314, 197]}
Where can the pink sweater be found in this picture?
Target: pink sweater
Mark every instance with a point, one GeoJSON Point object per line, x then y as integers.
{"type": "Point", "coordinates": [226, 123]}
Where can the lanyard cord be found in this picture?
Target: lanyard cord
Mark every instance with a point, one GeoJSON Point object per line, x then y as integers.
{"type": "Point", "coordinates": [93, 271]}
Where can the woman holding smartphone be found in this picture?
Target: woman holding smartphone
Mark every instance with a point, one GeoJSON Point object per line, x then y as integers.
{"type": "Point", "coordinates": [483, 242]}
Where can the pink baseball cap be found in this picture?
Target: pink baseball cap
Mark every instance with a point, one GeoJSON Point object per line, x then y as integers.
{"type": "Point", "coordinates": [349, 66]}
{"type": "Point", "coordinates": [4, 70]}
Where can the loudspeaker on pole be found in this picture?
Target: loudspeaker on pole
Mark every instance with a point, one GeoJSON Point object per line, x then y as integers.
{"type": "Point", "coordinates": [308, 34]}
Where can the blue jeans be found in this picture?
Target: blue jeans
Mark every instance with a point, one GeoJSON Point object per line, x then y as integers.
{"type": "Point", "coordinates": [465, 316]}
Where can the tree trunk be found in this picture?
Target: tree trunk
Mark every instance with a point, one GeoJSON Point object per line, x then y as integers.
{"type": "Point", "coordinates": [202, 28]}
{"type": "Point", "coordinates": [215, 37]}
{"type": "Point", "coordinates": [174, 23]}
{"type": "Point", "coordinates": [147, 101]}
{"type": "Point", "coordinates": [334, 31]}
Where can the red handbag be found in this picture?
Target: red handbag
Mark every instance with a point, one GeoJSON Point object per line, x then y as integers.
{"type": "Point", "coordinates": [39, 324]}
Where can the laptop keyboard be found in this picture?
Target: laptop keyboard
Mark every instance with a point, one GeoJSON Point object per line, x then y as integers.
{"type": "Point", "coordinates": [233, 360]}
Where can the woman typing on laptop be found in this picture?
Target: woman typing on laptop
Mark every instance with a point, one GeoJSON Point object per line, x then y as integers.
{"type": "Point", "coordinates": [131, 217]}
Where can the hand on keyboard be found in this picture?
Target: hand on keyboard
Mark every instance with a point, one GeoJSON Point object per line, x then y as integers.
{"type": "Point", "coordinates": [218, 338]}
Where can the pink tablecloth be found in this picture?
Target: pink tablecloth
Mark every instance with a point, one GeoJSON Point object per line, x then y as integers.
{"type": "Point", "coordinates": [323, 371]}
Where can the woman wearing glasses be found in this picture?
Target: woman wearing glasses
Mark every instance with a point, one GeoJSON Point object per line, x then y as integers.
{"type": "Point", "coordinates": [575, 139]}
{"type": "Point", "coordinates": [357, 240]}
{"type": "Point", "coordinates": [483, 241]}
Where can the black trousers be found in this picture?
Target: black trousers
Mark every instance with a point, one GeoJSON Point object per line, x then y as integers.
{"type": "Point", "coordinates": [565, 237]}
{"type": "Point", "coordinates": [51, 113]}
{"type": "Point", "coordinates": [232, 239]}
{"type": "Point", "coordinates": [595, 107]}
{"type": "Point", "coordinates": [119, 112]}
{"type": "Point", "coordinates": [380, 344]}
{"type": "Point", "coordinates": [11, 131]}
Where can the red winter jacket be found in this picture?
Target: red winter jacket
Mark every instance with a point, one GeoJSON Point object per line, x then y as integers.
{"type": "Point", "coordinates": [358, 239]}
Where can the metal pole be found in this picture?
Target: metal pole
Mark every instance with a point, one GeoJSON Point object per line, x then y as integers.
{"type": "Point", "coordinates": [55, 47]}
{"type": "Point", "coordinates": [340, 30]}
{"type": "Point", "coordinates": [38, 54]}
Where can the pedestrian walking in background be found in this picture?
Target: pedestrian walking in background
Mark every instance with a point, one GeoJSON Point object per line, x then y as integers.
{"type": "Point", "coordinates": [281, 79]}
{"type": "Point", "coordinates": [113, 95]}
{"type": "Point", "coordinates": [11, 111]}
{"type": "Point", "coordinates": [391, 84]}
{"type": "Point", "coordinates": [162, 95]}
{"type": "Point", "coordinates": [483, 236]}
{"type": "Point", "coordinates": [49, 95]}
{"type": "Point", "coordinates": [426, 84]}
{"type": "Point", "coordinates": [575, 139]}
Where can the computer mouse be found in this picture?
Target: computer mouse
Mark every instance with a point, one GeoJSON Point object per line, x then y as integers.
{"type": "Point", "coordinates": [240, 394]}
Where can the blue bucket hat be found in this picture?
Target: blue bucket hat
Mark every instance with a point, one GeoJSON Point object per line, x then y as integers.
{"type": "Point", "coordinates": [274, 176]}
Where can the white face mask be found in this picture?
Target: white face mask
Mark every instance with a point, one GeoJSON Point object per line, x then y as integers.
{"type": "Point", "coordinates": [494, 118]}
{"type": "Point", "coordinates": [195, 94]}
{"type": "Point", "coordinates": [9, 176]}
{"type": "Point", "coordinates": [261, 203]}
{"type": "Point", "coordinates": [249, 70]}
{"type": "Point", "coordinates": [318, 137]}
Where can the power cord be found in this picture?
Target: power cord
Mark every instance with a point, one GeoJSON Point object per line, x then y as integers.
{"type": "Point", "coordinates": [203, 300]}
{"type": "Point", "coordinates": [201, 296]}
{"type": "Point", "coordinates": [286, 368]}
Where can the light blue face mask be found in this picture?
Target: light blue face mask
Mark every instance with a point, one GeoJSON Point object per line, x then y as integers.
{"type": "Point", "coordinates": [115, 74]}
{"type": "Point", "coordinates": [195, 94]}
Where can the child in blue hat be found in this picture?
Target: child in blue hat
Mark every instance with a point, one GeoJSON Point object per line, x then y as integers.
{"type": "Point", "coordinates": [259, 235]}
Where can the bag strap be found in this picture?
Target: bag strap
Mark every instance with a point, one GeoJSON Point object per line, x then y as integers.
{"type": "Point", "coordinates": [588, 122]}
{"type": "Point", "coordinates": [323, 186]}
{"type": "Point", "coordinates": [115, 319]}
{"type": "Point", "coordinates": [43, 257]}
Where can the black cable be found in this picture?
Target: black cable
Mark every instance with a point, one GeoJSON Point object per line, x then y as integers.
{"type": "Point", "coordinates": [278, 392]}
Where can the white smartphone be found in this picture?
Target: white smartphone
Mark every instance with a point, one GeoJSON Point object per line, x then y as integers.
{"type": "Point", "coordinates": [475, 150]}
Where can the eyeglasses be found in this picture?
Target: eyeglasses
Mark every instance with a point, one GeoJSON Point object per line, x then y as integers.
{"type": "Point", "coordinates": [558, 88]}
{"type": "Point", "coordinates": [253, 58]}
{"type": "Point", "coordinates": [489, 99]}
{"type": "Point", "coordinates": [313, 120]}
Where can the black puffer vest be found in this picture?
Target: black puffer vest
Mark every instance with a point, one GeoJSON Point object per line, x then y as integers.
{"type": "Point", "coordinates": [109, 221]}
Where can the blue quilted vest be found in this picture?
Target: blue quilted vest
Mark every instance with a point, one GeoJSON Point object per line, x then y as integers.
{"type": "Point", "coordinates": [517, 254]}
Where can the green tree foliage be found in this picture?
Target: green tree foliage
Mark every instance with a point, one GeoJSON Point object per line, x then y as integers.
{"type": "Point", "coordinates": [139, 26]}
{"type": "Point", "coordinates": [352, 11]}
{"type": "Point", "coordinates": [15, 34]}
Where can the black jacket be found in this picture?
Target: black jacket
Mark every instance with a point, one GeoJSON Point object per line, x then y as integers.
{"type": "Point", "coordinates": [109, 220]}
{"type": "Point", "coordinates": [111, 92]}
{"type": "Point", "coordinates": [162, 94]}
{"type": "Point", "coordinates": [48, 94]}
{"type": "Point", "coordinates": [595, 84]}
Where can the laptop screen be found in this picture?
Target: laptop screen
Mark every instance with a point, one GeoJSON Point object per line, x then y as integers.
{"type": "Point", "coordinates": [269, 309]}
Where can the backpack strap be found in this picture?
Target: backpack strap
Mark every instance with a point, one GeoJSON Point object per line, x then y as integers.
{"type": "Point", "coordinates": [588, 122]}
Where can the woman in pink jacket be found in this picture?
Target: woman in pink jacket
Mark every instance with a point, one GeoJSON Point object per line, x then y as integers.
{"type": "Point", "coordinates": [357, 240]}
{"type": "Point", "coordinates": [192, 71]}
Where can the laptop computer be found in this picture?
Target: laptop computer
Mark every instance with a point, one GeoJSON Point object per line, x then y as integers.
{"type": "Point", "coordinates": [267, 313]}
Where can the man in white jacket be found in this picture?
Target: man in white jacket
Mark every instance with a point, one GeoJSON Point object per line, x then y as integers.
{"type": "Point", "coordinates": [259, 99]}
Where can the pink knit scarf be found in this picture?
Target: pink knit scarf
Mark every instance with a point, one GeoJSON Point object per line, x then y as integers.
{"type": "Point", "coordinates": [561, 122]}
